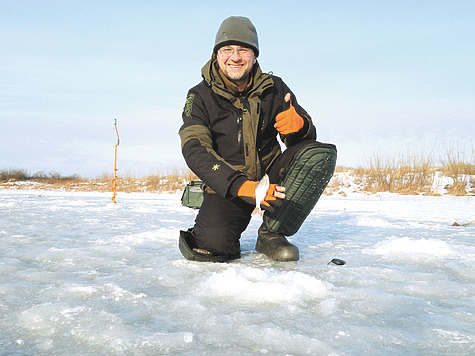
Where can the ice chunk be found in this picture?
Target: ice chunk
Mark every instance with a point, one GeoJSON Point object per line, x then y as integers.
{"type": "Point", "coordinates": [263, 286]}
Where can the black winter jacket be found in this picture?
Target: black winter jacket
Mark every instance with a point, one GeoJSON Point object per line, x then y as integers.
{"type": "Point", "coordinates": [227, 138]}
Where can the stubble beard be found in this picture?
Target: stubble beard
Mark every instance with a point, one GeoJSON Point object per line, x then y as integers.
{"type": "Point", "coordinates": [239, 79]}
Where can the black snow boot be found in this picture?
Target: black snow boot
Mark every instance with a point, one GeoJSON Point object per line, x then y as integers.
{"type": "Point", "coordinates": [276, 246]}
{"type": "Point", "coordinates": [186, 244]}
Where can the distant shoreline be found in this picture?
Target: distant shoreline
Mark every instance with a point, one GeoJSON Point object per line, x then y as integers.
{"type": "Point", "coordinates": [433, 182]}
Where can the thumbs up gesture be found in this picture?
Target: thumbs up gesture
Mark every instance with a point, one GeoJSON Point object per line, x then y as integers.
{"type": "Point", "coordinates": [288, 121]}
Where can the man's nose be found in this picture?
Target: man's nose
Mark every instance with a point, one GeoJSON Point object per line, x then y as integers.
{"type": "Point", "coordinates": [235, 56]}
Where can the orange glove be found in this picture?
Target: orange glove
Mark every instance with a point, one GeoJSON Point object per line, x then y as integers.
{"type": "Point", "coordinates": [247, 192]}
{"type": "Point", "coordinates": [288, 121]}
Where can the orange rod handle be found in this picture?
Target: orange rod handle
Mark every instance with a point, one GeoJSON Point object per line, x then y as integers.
{"type": "Point", "coordinates": [114, 180]}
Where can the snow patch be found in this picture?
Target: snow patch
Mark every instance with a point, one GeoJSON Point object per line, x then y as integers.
{"type": "Point", "coordinates": [407, 247]}
{"type": "Point", "coordinates": [454, 336]}
{"type": "Point", "coordinates": [263, 286]}
{"type": "Point", "coordinates": [372, 222]}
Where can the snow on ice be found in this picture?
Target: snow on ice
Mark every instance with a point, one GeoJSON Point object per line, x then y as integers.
{"type": "Point", "coordinates": [81, 275]}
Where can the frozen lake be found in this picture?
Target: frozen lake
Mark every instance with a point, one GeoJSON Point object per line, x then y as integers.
{"type": "Point", "coordinates": [82, 276]}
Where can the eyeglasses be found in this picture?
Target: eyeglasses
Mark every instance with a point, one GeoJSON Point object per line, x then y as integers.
{"type": "Point", "coordinates": [243, 52]}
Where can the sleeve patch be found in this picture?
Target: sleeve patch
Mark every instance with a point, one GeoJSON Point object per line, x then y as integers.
{"type": "Point", "coordinates": [189, 104]}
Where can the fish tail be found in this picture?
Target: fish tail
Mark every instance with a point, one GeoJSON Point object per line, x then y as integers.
{"type": "Point", "coordinates": [257, 211]}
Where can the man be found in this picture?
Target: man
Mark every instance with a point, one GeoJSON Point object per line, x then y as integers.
{"type": "Point", "coordinates": [231, 121]}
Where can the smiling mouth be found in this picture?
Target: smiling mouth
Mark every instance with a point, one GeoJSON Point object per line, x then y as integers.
{"type": "Point", "coordinates": [235, 66]}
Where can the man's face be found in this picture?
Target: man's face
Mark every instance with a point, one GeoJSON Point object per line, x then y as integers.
{"type": "Point", "coordinates": [236, 63]}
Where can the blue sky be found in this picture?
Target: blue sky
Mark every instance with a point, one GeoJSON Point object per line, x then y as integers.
{"type": "Point", "coordinates": [377, 77]}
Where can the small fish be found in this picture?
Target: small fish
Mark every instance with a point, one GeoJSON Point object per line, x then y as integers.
{"type": "Point", "coordinates": [261, 191]}
{"type": "Point", "coordinates": [202, 251]}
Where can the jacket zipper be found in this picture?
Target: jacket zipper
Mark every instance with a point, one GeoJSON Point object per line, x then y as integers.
{"type": "Point", "coordinates": [239, 132]}
{"type": "Point", "coordinates": [245, 104]}
{"type": "Point", "coordinates": [247, 107]}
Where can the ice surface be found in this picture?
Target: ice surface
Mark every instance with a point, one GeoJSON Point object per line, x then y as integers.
{"type": "Point", "coordinates": [82, 276]}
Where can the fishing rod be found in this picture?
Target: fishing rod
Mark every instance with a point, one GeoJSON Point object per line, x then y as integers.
{"type": "Point", "coordinates": [114, 179]}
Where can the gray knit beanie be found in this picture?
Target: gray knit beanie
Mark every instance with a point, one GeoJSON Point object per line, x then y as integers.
{"type": "Point", "coordinates": [237, 30]}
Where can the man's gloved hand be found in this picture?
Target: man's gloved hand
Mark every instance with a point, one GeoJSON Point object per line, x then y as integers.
{"type": "Point", "coordinates": [288, 121]}
{"type": "Point", "coordinates": [274, 193]}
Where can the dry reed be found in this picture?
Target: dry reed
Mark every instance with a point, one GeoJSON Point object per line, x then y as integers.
{"type": "Point", "coordinates": [408, 174]}
{"type": "Point", "coordinates": [411, 174]}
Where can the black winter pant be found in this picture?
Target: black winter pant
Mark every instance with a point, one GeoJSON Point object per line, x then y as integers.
{"type": "Point", "coordinates": [220, 222]}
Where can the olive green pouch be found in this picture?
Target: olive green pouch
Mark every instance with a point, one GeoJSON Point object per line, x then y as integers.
{"type": "Point", "coordinates": [192, 196]}
{"type": "Point", "coordinates": [305, 180]}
